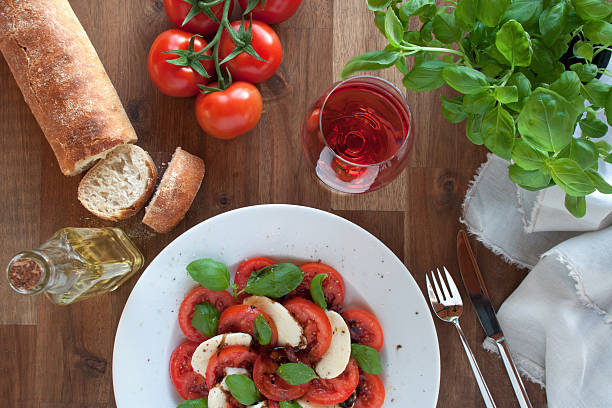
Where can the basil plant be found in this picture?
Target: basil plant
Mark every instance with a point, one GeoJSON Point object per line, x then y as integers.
{"type": "Point", "coordinates": [519, 99]}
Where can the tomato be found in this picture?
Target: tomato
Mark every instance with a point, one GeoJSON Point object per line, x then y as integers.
{"type": "Point", "coordinates": [334, 390]}
{"type": "Point", "coordinates": [365, 328]}
{"type": "Point", "coordinates": [269, 383]}
{"type": "Point", "coordinates": [230, 356]}
{"type": "Point", "coordinates": [333, 285]}
{"type": "Point", "coordinates": [174, 80]}
{"type": "Point", "coordinates": [241, 319]}
{"type": "Point", "coordinates": [245, 270]}
{"type": "Point", "coordinates": [188, 383]}
{"type": "Point", "coordinates": [273, 404]}
{"type": "Point", "coordinates": [370, 392]}
{"type": "Point", "coordinates": [177, 10]}
{"type": "Point", "coordinates": [274, 11]}
{"type": "Point", "coordinates": [221, 300]}
{"type": "Point", "coordinates": [315, 323]}
{"type": "Point", "coordinates": [245, 67]}
{"type": "Point", "coordinates": [230, 113]}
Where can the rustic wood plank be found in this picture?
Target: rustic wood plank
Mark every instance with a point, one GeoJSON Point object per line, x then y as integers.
{"type": "Point", "coordinates": [17, 357]}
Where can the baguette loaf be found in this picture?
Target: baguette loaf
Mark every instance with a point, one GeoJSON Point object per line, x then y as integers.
{"type": "Point", "coordinates": [176, 192]}
{"type": "Point", "coordinates": [63, 81]}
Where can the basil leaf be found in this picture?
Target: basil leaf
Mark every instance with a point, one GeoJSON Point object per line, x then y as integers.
{"type": "Point", "coordinates": [532, 180]}
{"type": "Point", "coordinates": [599, 182]}
{"type": "Point", "coordinates": [472, 129]}
{"type": "Point", "coordinates": [523, 87]}
{"type": "Point", "coordinates": [583, 50]}
{"type": "Point", "coordinates": [592, 9]}
{"type": "Point", "coordinates": [367, 358]}
{"type": "Point", "coordinates": [197, 403]}
{"type": "Point", "coordinates": [275, 280]}
{"type": "Point", "coordinates": [289, 404]}
{"type": "Point", "coordinates": [415, 8]}
{"type": "Point", "coordinates": [379, 21]}
{"type": "Point", "coordinates": [491, 11]}
{"type": "Point", "coordinates": [513, 43]}
{"type": "Point", "coordinates": [506, 94]}
{"type": "Point", "coordinates": [608, 108]}
{"type": "Point", "coordinates": [552, 22]}
{"type": "Point", "coordinates": [444, 27]}
{"type": "Point", "coordinates": [525, 12]}
{"type": "Point", "coordinates": [527, 157]}
{"type": "Point", "coordinates": [209, 273]}
{"type": "Point", "coordinates": [316, 290]}
{"type": "Point", "coordinates": [597, 93]}
{"type": "Point", "coordinates": [586, 72]}
{"type": "Point", "coordinates": [568, 175]}
{"type": "Point", "coordinates": [465, 15]}
{"type": "Point", "coordinates": [377, 5]}
{"type": "Point", "coordinates": [370, 61]}
{"type": "Point", "coordinates": [546, 121]}
{"type": "Point", "coordinates": [575, 205]}
{"type": "Point", "coordinates": [243, 389]}
{"type": "Point", "coordinates": [479, 103]}
{"type": "Point", "coordinates": [603, 147]}
{"type": "Point", "coordinates": [542, 59]}
{"type": "Point", "coordinates": [465, 79]}
{"type": "Point", "coordinates": [599, 32]}
{"type": "Point", "coordinates": [205, 319]}
{"type": "Point", "coordinates": [296, 373]}
{"type": "Point", "coordinates": [593, 127]}
{"type": "Point", "coordinates": [583, 152]}
{"type": "Point", "coordinates": [425, 76]}
{"type": "Point", "coordinates": [263, 331]}
{"type": "Point", "coordinates": [498, 132]}
{"type": "Point", "coordinates": [393, 28]}
{"type": "Point", "coordinates": [568, 85]}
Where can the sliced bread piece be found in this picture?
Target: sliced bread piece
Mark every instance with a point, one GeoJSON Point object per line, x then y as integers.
{"type": "Point", "coordinates": [176, 192]}
{"type": "Point", "coordinates": [119, 185]}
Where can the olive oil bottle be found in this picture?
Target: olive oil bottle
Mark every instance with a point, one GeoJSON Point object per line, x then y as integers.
{"type": "Point", "coordinates": [76, 264]}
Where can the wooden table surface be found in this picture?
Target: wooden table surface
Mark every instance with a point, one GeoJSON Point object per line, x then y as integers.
{"type": "Point", "coordinates": [52, 357]}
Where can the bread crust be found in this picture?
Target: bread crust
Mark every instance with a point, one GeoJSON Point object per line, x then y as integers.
{"type": "Point", "coordinates": [63, 81]}
{"type": "Point", "coordinates": [138, 204]}
{"type": "Point", "coordinates": [176, 192]}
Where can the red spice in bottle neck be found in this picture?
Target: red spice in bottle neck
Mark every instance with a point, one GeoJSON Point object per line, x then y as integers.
{"type": "Point", "coordinates": [25, 273]}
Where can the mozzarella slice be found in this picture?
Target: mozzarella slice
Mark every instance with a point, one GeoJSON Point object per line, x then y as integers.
{"type": "Point", "coordinates": [290, 333]}
{"type": "Point", "coordinates": [217, 397]}
{"type": "Point", "coordinates": [202, 354]}
{"type": "Point", "coordinates": [262, 404]}
{"type": "Point", "coordinates": [336, 358]}
{"type": "Point", "coordinates": [304, 403]}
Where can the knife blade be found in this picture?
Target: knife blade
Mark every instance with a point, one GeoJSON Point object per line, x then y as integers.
{"type": "Point", "coordinates": [477, 292]}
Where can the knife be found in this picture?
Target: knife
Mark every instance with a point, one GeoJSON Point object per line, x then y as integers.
{"type": "Point", "coordinates": [474, 284]}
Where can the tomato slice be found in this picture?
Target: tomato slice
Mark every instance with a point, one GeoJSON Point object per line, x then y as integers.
{"type": "Point", "coordinates": [315, 323]}
{"type": "Point", "coordinates": [241, 319]}
{"type": "Point", "coordinates": [334, 390]}
{"type": "Point", "coordinates": [370, 392]}
{"type": "Point", "coordinates": [189, 384]}
{"type": "Point", "coordinates": [245, 270]}
{"type": "Point", "coordinates": [221, 300]}
{"type": "Point", "coordinates": [333, 285]}
{"type": "Point", "coordinates": [365, 328]}
{"type": "Point", "coordinates": [230, 356]}
{"type": "Point", "coordinates": [269, 383]}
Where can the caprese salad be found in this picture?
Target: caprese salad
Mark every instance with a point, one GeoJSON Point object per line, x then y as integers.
{"type": "Point", "coordinates": [277, 337]}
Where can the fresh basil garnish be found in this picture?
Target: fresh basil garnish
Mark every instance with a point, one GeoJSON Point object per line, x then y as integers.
{"type": "Point", "coordinates": [316, 290]}
{"type": "Point", "coordinates": [263, 332]}
{"type": "Point", "coordinates": [205, 319]}
{"type": "Point", "coordinates": [197, 403]}
{"type": "Point", "coordinates": [210, 274]}
{"type": "Point", "coordinates": [275, 280]}
{"type": "Point", "coordinates": [289, 404]}
{"type": "Point", "coordinates": [296, 373]}
{"type": "Point", "coordinates": [367, 358]}
{"type": "Point", "coordinates": [243, 389]}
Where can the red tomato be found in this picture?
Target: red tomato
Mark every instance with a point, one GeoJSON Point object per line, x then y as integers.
{"type": "Point", "coordinates": [174, 80]}
{"type": "Point", "coordinates": [245, 270]}
{"type": "Point", "coordinates": [241, 319]}
{"type": "Point", "coordinates": [245, 67]}
{"type": "Point", "coordinates": [221, 300]}
{"type": "Point", "coordinates": [333, 285]}
{"type": "Point", "coordinates": [269, 383]}
{"type": "Point", "coordinates": [315, 323]}
{"type": "Point", "coordinates": [230, 113]}
{"type": "Point", "coordinates": [230, 356]}
{"type": "Point", "coordinates": [370, 392]}
{"type": "Point", "coordinates": [334, 390]}
{"type": "Point", "coordinates": [275, 11]}
{"type": "Point", "coordinates": [177, 10]}
{"type": "Point", "coordinates": [365, 328]}
{"type": "Point", "coordinates": [189, 384]}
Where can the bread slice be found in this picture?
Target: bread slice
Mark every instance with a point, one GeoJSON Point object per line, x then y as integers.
{"type": "Point", "coordinates": [176, 192]}
{"type": "Point", "coordinates": [119, 185]}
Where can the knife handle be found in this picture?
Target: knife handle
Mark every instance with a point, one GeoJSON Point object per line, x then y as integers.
{"type": "Point", "coordinates": [515, 378]}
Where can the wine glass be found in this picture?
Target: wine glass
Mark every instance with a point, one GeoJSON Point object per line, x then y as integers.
{"type": "Point", "coordinates": [357, 136]}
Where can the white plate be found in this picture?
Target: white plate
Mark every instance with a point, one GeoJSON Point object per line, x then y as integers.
{"type": "Point", "coordinates": [375, 279]}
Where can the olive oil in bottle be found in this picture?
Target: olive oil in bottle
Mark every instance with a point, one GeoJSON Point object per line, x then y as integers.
{"type": "Point", "coordinates": [76, 264]}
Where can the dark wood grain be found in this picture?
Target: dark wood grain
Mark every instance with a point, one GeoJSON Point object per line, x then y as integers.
{"type": "Point", "coordinates": [52, 357]}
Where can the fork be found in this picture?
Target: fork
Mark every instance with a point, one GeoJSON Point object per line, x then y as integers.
{"type": "Point", "coordinates": [448, 306]}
